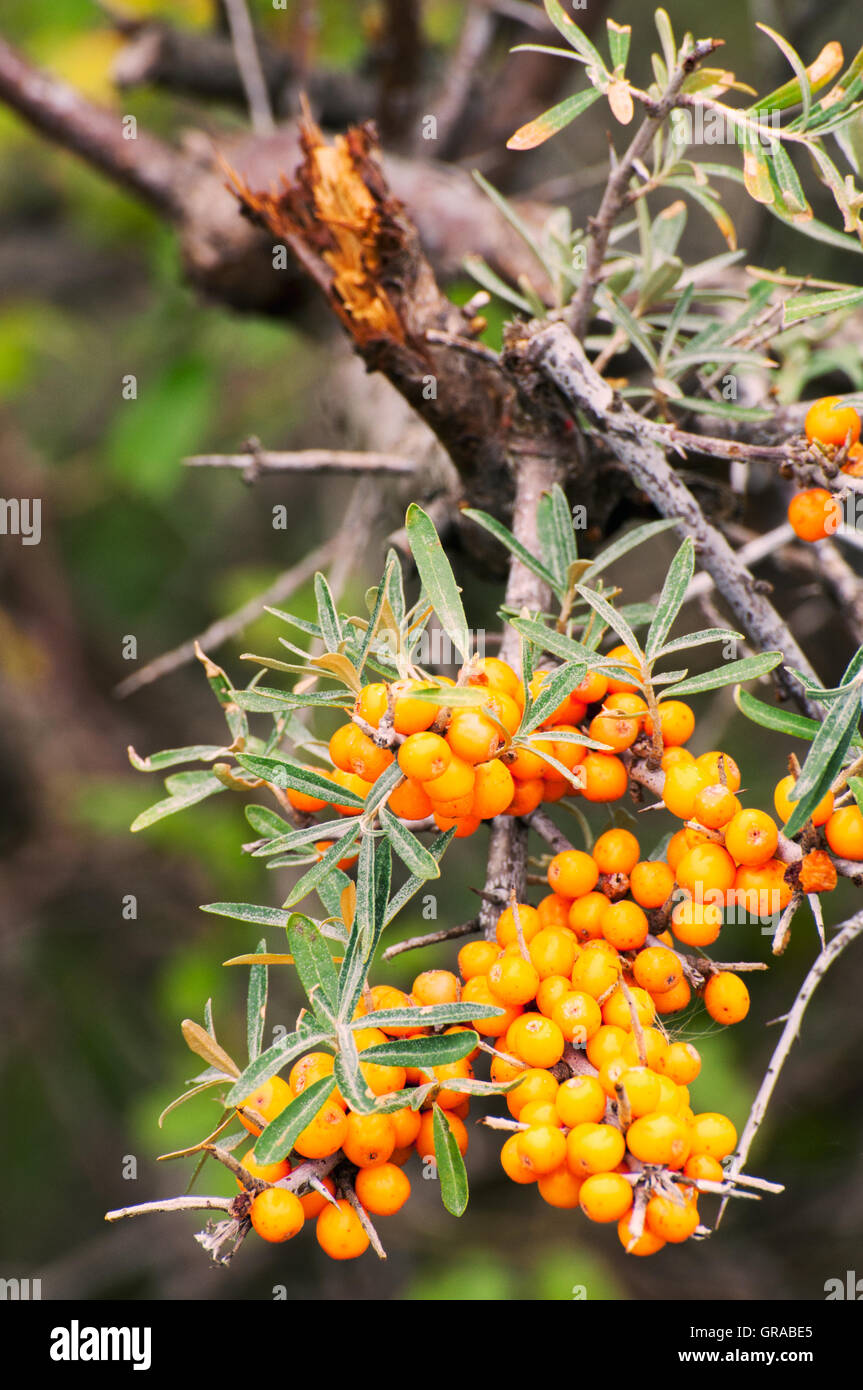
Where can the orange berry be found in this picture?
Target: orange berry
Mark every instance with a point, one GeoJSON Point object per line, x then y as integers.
{"type": "Point", "coordinates": [659, 1138]}
{"type": "Point", "coordinates": [681, 1062]}
{"type": "Point", "coordinates": [411, 716]}
{"type": "Point", "coordinates": [542, 1148]}
{"type": "Point", "coordinates": [726, 997]}
{"type": "Point", "coordinates": [572, 873]}
{"type": "Point", "coordinates": [707, 868]}
{"type": "Point", "coordinates": [410, 801]}
{"type": "Point", "coordinates": [324, 1134]}
{"type": "Point", "coordinates": [473, 737]}
{"type": "Point", "coordinates": [580, 1100]}
{"type": "Point", "coordinates": [625, 925]}
{"type": "Point", "coordinates": [369, 1139]}
{"type": "Point", "coordinates": [844, 832]}
{"type": "Point", "coordinates": [351, 782]}
{"type": "Point", "coordinates": [499, 675]}
{"type": "Point", "coordinates": [703, 1166]}
{"type": "Point", "coordinates": [493, 789]}
{"type": "Point", "coordinates": [340, 1233]}
{"type": "Point", "coordinates": [353, 751]}
{"type": "Point", "coordinates": [552, 952]}
{"type": "Point", "coordinates": [524, 764]}
{"type": "Point", "coordinates": [526, 797]}
{"type": "Point", "coordinates": [712, 1134]}
{"type": "Point", "coordinates": [300, 801]}
{"type": "Point", "coordinates": [673, 1221]}
{"type": "Point", "coordinates": [683, 782]}
{"type": "Point", "coordinates": [592, 689]}
{"type": "Point", "coordinates": [551, 990]}
{"type": "Point", "coordinates": [605, 777]}
{"type": "Point", "coordinates": [751, 838]}
{"type": "Point", "coordinates": [671, 1001]}
{"type": "Point", "coordinates": [515, 1167]}
{"type": "Point", "coordinates": [655, 1048]}
{"type": "Point", "coordinates": [476, 958]}
{"type": "Point", "coordinates": [596, 970]}
{"type": "Point", "coordinates": [621, 656]}
{"type": "Point", "coordinates": [657, 969]}
{"type": "Point", "coordinates": [560, 1188]}
{"type": "Point", "coordinates": [585, 916]}
{"type": "Point", "coordinates": [605, 1197]}
{"type": "Point", "coordinates": [536, 1040]}
{"type": "Point", "coordinates": [447, 1098]}
{"type": "Point", "coordinates": [267, 1172]}
{"type": "Point", "coordinates": [438, 986]}
{"type": "Point", "coordinates": [578, 1016]}
{"type": "Point", "coordinates": [313, 1067]}
{"type": "Point", "coordinates": [513, 980]}
{"type": "Point", "coordinates": [506, 930]}
{"type": "Point", "coordinates": [719, 767]}
{"type": "Point", "coordinates": [476, 991]}
{"type": "Point", "coordinates": [383, 1190]}
{"type": "Point", "coordinates": [276, 1214]}
{"type": "Point", "coordinates": [536, 1084]}
{"type": "Point", "coordinates": [616, 852]}
{"type": "Point", "coordinates": [594, 1148]}
{"type": "Point", "coordinates": [616, 1010]}
{"type": "Point", "coordinates": [424, 756]}
{"type": "Point", "coordinates": [696, 924]}
{"type": "Point", "coordinates": [715, 806]}
{"type": "Point", "coordinates": [268, 1101]}
{"type": "Point", "coordinates": [605, 1044]}
{"type": "Point", "coordinates": [645, 1244]}
{"type": "Point", "coordinates": [678, 848]}
{"type": "Point", "coordinates": [672, 757]}
{"type": "Point", "coordinates": [564, 751]}
{"type": "Point", "coordinates": [617, 731]}
{"type": "Point", "coordinates": [388, 997]}
{"type": "Point", "coordinates": [641, 1088]}
{"type": "Point", "coordinates": [785, 806]}
{"type": "Point", "coordinates": [829, 422]}
{"type": "Point", "coordinates": [425, 1138]}
{"type": "Point", "coordinates": [454, 783]}
{"type": "Point", "coordinates": [676, 723]}
{"type": "Point", "coordinates": [539, 1112]}
{"type": "Point", "coordinates": [406, 1125]}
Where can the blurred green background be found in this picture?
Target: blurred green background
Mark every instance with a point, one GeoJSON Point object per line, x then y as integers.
{"type": "Point", "coordinates": [132, 545]}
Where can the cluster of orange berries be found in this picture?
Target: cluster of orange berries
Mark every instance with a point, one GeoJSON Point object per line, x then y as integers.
{"type": "Point", "coordinates": [469, 771]}
{"type": "Point", "coordinates": [589, 1121]}
{"type": "Point", "coordinates": [369, 1152]}
{"type": "Point", "coordinates": [814, 512]}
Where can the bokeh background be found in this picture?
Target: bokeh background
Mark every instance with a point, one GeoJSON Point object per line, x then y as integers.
{"type": "Point", "coordinates": [133, 544]}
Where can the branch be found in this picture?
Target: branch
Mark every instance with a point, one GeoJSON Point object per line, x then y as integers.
{"type": "Point", "coordinates": [432, 938]}
{"type": "Point", "coordinates": [614, 197]}
{"type": "Point", "coordinates": [257, 460]}
{"type": "Point", "coordinates": [849, 932]}
{"type": "Point", "coordinates": [450, 103]}
{"type": "Point", "coordinates": [173, 1204]}
{"type": "Point", "coordinates": [562, 359]}
{"type": "Point", "coordinates": [249, 66]}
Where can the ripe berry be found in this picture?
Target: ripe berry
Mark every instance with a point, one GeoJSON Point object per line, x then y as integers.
{"type": "Point", "coordinates": [829, 422]}
{"type": "Point", "coordinates": [314, 1066]}
{"type": "Point", "coordinates": [268, 1101]}
{"type": "Point", "coordinates": [526, 797]}
{"type": "Point", "coordinates": [493, 789]}
{"type": "Point", "coordinates": [641, 1088]}
{"type": "Point", "coordinates": [814, 514]}
{"type": "Point", "coordinates": [551, 991]}
{"type": "Point", "coordinates": [764, 890]}
{"type": "Point", "coordinates": [605, 777]}
{"type": "Point", "coordinates": [476, 958]}
{"type": "Point", "coordinates": [654, 1044]}
{"type": "Point", "coordinates": [351, 782]}
{"type": "Point", "coordinates": [455, 783]}
{"type": "Point", "coordinates": [553, 911]}
{"type": "Point", "coordinates": [537, 1084]}
{"type": "Point", "coordinates": [267, 1172]}
{"type": "Point", "coordinates": [657, 969]}
{"type": "Point", "coordinates": [617, 731]}
{"type": "Point", "coordinates": [410, 801]}
{"type": "Point", "coordinates": [424, 756]}
{"type": "Point", "coordinates": [573, 873]}
{"type": "Point", "coordinates": [578, 1017]}
{"type": "Point", "coordinates": [715, 806]}
{"type": "Point", "coordinates": [681, 1062]}
{"type": "Point", "coordinates": [553, 952]}
{"type": "Point", "coordinates": [383, 1190]}
{"type": "Point", "coordinates": [703, 1166]}
{"type": "Point", "coordinates": [324, 1134]}
{"type": "Point", "coordinates": [712, 1134]}
{"type": "Point", "coordinates": [276, 1214]}
{"type": "Point", "coordinates": [661, 1139]}
{"type": "Point", "coordinates": [625, 925]}
{"type": "Point", "coordinates": [751, 838]}
{"type": "Point", "coordinates": [844, 831]}
{"type": "Point", "coordinates": [425, 1138]}
{"type": "Point", "coordinates": [726, 997]}
{"type": "Point", "coordinates": [506, 930]}
{"type": "Point", "coordinates": [340, 1233]}
{"type": "Point", "coordinates": [580, 1100]}
{"type": "Point", "coordinates": [438, 986]}
{"type": "Point", "coordinates": [542, 1148]}
{"type": "Point", "coordinates": [683, 782]}
{"type": "Point", "coordinates": [498, 675]}
{"type": "Point", "coordinates": [605, 1197]}
{"type": "Point", "coordinates": [719, 767]}
{"type": "Point", "coordinates": [536, 1040]}
{"type": "Point", "coordinates": [476, 991]}
{"type": "Point", "coordinates": [594, 1148]}
{"type": "Point", "coordinates": [785, 806]}
{"type": "Point", "coordinates": [513, 980]}
{"type": "Point", "coordinates": [513, 1164]}
{"type": "Point", "coordinates": [673, 1221]}
{"type": "Point", "coordinates": [313, 1202]}
{"type": "Point", "coordinates": [616, 852]}
{"type": "Point", "coordinates": [645, 1244]}
{"type": "Point", "coordinates": [406, 1124]}
{"type": "Point", "coordinates": [671, 1001]}
{"type": "Point", "coordinates": [651, 883]}
{"type": "Point", "coordinates": [369, 1139]}
{"type": "Point", "coordinates": [707, 868]}
{"type": "Point", "coordinates": [353, 751]}
{"type": "Point", "coordinates": [585, 916]}
{"type": "Point", "coordinates": [605, 1044]}
{"type": "Point", "coordinates": [615, 1009]}
{"type": "Point", "coordinates": [676, 723]}
{"type": "Point", "coordinates": [474, 737]}
{"type": "Point", "coordinates": [300, 801]}
{"type": "Point", "coordinates": [596, 971]}
{"type": "Point", "coordinates": [560, 1188]}
{"type": "Point", "coordinates": [621, 656]}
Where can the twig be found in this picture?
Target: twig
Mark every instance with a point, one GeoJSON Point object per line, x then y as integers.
{"type": "Point", "coordinates": [614, 197]}
{"type": "Point", "coordinates": [303, 461]}
{"type": "Point", "coordinates": [364, 1219]}
{"type": "Point", "coordinates": [249, 64]}
{"type": "Point", "coordinates": [562, 358]}
{"type": "Point", "coordinates": [849, 932]}
{"type": "Point", "coordinates": [449, 105]}
{"type": "Point", "coordinates": [545, 827]}
{"type": "Point", "coordinates": [432, 938]}
{"type": "Point", "coordinates": [173, 1204]}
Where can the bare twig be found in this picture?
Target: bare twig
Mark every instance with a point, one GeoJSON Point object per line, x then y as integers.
{"type": "Point", "coordinates": [849, 932]}
{"type": "Point", "coordinates": [432, 938]}
{"type": "Point", "coordinates": [449, 105]}
{"type": "Point", "coordinates": [249, 64]}
{"type": "Point", "coordinates": [257, 461]}
{"type": "Point", "coordinates": [541, 822]}
{"type": "Point", "coordinates": [172, 1204]}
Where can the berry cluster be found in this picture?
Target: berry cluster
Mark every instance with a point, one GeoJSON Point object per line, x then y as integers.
{"type": "Point", "coordinates": [365, 1154]}
{"type": "Point", "coordinates": [815, 512]}
{"type": "Point", "coordinates": [460, 766]}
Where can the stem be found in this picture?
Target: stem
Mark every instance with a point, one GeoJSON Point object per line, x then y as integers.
{"type": "Point", "coordinates": [173, 1204]}
{"type": "Point", "coordinates": [432, 938]}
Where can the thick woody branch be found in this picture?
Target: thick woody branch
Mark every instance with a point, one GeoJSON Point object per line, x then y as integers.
{"type": "Point", "coordinates": [561, 357]}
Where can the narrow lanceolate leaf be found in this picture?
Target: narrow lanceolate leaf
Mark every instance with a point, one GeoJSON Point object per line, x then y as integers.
{"type": "Point", "coordinates": [171, 757]}
{"type": "Point", "coordinates": [293, 777]}
{"type": "Point", "coordinates": [699, 639]}
{"type": "Point", "coordinates": [756, 169]}
{"type": "Point", "coordinates": [469, 1086]}
{"type": "Point", "coordinates": [515, 547]}
{"type": "Point", "coordinates": [327, 864]}
{"type": "Point", "coordinates": [225, 694]}
{"type": "Point", "coordinates": [797, 64]}
{"type": "Point", "coordinates": [809, 306]}
{"type": "Point", "coordinates": [781, 721]}
{"type": "Point", "coordinates": [262, 700]}
{"type": "Point", "coordinates": [726, 409]}
{"type": "Point", "coordinates": [278, 1138]}
{"type": "Point", "coordinates": [409, 849]}
{"type": "Point", "coordinates": [204, 1045]}
{"type": "Point", "coordinates": [256, 1005]}
{"type": "Point", "coordinates": [453, 696]}
{"type": "Point", "coordinates": [825, 758]}
{"type": "Point", "coordinates": [477, 268]}
{"type": "Point", "coordinates": [637, 536]}
{"type": "Point", "coordinates": [248, 912]}
{"type": "Point", "coordinates": [328, 616]}
{"type": "Point", "coordinates": [451, 1171]}
{"type": "Point", "coordinates": [422, 1052]}
{"type": "Point", "coordinates": [537, 131]}
{"type": "Point", "coordinates": [788, 184]}
{"type": "Point", "coordinates": [313, 960]}
{"type": "Point", "coordinates": [856, 786]}
{"type": "Point", "coordinates": [373, 885]}
{"type": "Point", "coordinates": [426, 1016]}
{"type": "Point", "coordinates": [574, 36]}
{"type": "Point", "coordinates": [671, 599]}
{"type": "Point", "coordinates": [749, 668]}
{"type": "Point", "coordinates": [549, 640]}
{"type": "Point", "coordinates": [818, 74]}
{"type": "Point", "coordinates": [349, 1077]}
{"type": "Point", "coordinates": [412, 885]}
{"type": "Point", "coordinates": [437, 577]}
{"type": "Point", "coordinates": [294, 839]}
{"type": "Point", "coordinates": [186, 788]}
{"type": "Point", "coordinates": [552, 693]}
{"type": "Point", "coordinates": [557, 534]}
{"type": "Point", "coordinates": [612, 617]}
{"type": "Point", "coordinates": [271, 1061]}
{"type": "Point", "coordinates": [266, 822]}
{"type": "Point", "coordinates": [619, 37]}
